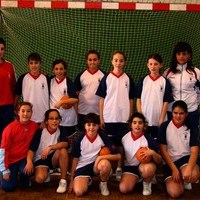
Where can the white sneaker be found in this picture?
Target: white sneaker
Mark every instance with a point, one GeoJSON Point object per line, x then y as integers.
{"type": "Point", "coordinates": [48, 178]}
{"type": "Point", "coordinates": [62, 186]}
{"type": "Point", "coordinates": [104, 188]}
{"type": "Point", "coordinates": [118, 173]}
{"type": "Point", "coordinates": [187, 186]}
{"type": "Point", "coordinates": [146, 188]}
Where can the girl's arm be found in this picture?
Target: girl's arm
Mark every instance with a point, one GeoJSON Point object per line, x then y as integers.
{"type": "Point", "coordinates": [110, 157]}
{"type": "Point", "coordinates": [163, 113]}
{"type": "Point", "coordinates": [187, 173]}
{"type": "Point", "coordinates": [70, 101]}
{"type": "Point", "coordinates": [45, 152]}
{"type": "Point", "coordinates": [131, 107]}
{"type": "Point", "coordinates": [166, 157]}
{"type": "Point", "coordinates": [139, 105]}
{"type": "Point", "coordinates": [176, 176]}
{"type": "Point", "coordinates": [156, 157]}
{"type": "Point", "coordinates": [29, 168]}
{"type": "Point", "coordinates": [193, 156]}
{"type": "Point", "coordinates": [73, 168]}
{"type": "Point", "coordinates": [101, 105]}
{"type": "Point", "coordinates": [58, 145]}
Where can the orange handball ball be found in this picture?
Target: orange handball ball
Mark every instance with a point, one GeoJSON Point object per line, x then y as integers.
{"type": "Point", "coordinates": [65, 105]}
{"type": "Point", "coordinates": [104, 151]}
{"type": "Point", "coordinates": [139, 155]}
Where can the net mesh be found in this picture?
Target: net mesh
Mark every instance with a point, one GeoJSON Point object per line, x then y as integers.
{"type": "Point", "coordinates": [70, 33]}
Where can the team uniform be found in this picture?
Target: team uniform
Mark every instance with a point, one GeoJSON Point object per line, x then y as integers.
{"type": "Point", "coordinates": [36, 91]}
{"type": "Point", "coordinates": [184, 88]}
{"type": "Point", "coordinates": [153, 93]}
{"type": "Point", "coordinates": [87, 83]}
{"type": "Point", "coordinates": [42, 139]}
{"type": "Point", "coordinates": [7, 88]}
{"type": "Point", "coordinates": [117, 92]}
{"type": "Point", "coordinates": [179, 140]}
{"type": "Point", "coordinates": [131, 144]}
{"type": "Point", "coordinates": [15, 143]}
{"type": "Point", "coordinates": [57, 90]}
{"type": "Point", "coordinates": [87, 150]}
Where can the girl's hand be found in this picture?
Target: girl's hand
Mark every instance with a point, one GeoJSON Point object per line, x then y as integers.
{"type": "Point", "coordinates": [176, 176]}
{"type": "Point", "coordinates": [6, 177]}
{"type": "Point", "coordinates": [29, 168]}
{"type": "Point", "coordinates": [146, 154]}
{"type": "Point", "coordinates": [58, 105]}
{"type": "Point", "coordinates": [45, 153]}
{"type": "Point", "coordinates": [70, 187]}
{"type": "Point", "coordinates": [187, 174]}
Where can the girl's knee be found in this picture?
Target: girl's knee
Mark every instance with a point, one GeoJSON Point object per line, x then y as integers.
{"type": "Point", "coordinates": [148, 172]}
{"type": "Point", "coordinates": [104, 165]}
{"type": "Point", "coordinates": [79, 191]}
{"type": "Point", "coordinates": [40, 178]}
{"type": "Point", "coordinates": [123, 188]}
{"type": "Point", "coordinates": [174, 193]}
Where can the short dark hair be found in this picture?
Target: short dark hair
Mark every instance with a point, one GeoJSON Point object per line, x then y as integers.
{"type": "Point", "coordinates": [138, 115]}
{"type": "Point", "coordinates": [58, 61]}
{"type": "Point", "coordinates": [46, 115]}
{"type": "Point", "coordinates": [92, 118]}
{"type": "Point", "coordinates": [2, 41]}
{"type": "Point", "coordinates": [92, 52]}
{"type": "Point", "coordinates": [35, 57]}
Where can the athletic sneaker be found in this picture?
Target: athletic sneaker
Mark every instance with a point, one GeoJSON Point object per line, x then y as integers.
{"type": "Point", "coordinates": [104, 188]}
{"type": "Point", "coordinates": [62, 186]}
{"type": "Point", "coordinates": [118, 173]}
{"type": "Point", "coordinates": [187, 186]}
{"type": "Point", "coordinates": [146, 188]}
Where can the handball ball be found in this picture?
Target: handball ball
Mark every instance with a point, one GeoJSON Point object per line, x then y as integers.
{"type": "Point", "coordinates": [139, 155]}
{"type": "Point", "coordinates": [104, 151]}
{"type": "Point", "coordinates": [65, 105]}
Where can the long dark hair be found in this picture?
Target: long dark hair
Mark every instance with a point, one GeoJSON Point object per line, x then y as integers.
{"type": "Point", "coordinates": [182, 47]}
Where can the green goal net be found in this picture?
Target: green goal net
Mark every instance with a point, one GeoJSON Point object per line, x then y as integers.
{"type": "Point", "coordinates": [70, 33]}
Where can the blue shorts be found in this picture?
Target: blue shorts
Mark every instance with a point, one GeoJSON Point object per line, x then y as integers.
{"type": "Point", "coordinates": [132, 170]}
{"type": "Point", "coordinates": [47, 162]}
{"type": "Point", "coordinates": [86, 171]}
{"type": "Point", "coordinates": [179, 163]}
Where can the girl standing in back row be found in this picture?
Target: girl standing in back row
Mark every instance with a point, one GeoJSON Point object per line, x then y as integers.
{"type": "Point", "coordinates": [153, 95]}
{"type": "Point", "coordinates": [60, 86]}
{"type": "Point", "coordinates": [87, 83]}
